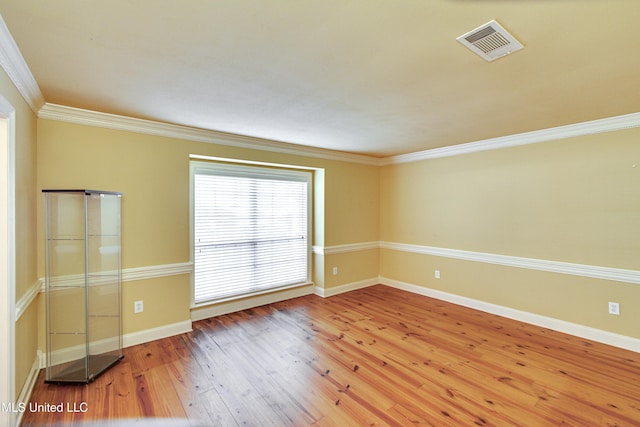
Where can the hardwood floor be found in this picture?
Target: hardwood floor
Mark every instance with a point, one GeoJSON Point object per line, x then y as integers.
{"type": "Point", "coordinates": [376, 356]}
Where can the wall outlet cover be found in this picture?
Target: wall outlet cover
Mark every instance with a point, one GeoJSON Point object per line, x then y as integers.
{"type": "Point", "coordinates": [614, 308]}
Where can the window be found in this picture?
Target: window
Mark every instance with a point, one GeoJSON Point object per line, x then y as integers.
{"type": "Point", "coordinates": [250, 230]}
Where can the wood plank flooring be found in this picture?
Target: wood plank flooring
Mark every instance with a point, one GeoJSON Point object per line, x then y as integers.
{"type": "Point", "coordinates": [376, 356]}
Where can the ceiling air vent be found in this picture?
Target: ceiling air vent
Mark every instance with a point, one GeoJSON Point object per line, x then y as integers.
{"type": "Point", "coordinates": [490, 41]}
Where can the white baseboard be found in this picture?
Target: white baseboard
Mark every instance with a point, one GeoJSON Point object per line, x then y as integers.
{"type": "Point", "coordinates": [147, 335]}
{"type": "Point", "coordinates": [329, 292]}
{"type": "Point", "coordinates": [598, 335]}
{"type": "Point", "coordinates": [29, 385]}
{"type": "Point", "coordinates": [201, 313]}
{"type": "Point", "coordinates": [128, 340]}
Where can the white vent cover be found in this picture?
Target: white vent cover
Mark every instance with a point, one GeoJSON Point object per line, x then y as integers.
{"type": "Point", "coordinates": [490, 41]}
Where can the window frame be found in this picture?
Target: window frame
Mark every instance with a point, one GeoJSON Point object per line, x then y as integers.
{"type": "Point", "coordinates": [229, 167]}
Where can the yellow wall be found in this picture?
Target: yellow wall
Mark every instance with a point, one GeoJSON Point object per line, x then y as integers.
{"type": "Point", "coordinates": [153, 174]}
{"type": "Point", "coordinates": [25, 215]}
{"type": "Point", "coordinates": [166, 301]}
{"type": "Point", "coordinates": [570, 200]}
{"type": "Point", "coordinates": [573, 200]}
{"type": "Point", "coordinates": [352, 267]}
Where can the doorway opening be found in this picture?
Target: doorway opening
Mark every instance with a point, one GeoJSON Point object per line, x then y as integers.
{"type": "Point", "coordinates": [7, 256]}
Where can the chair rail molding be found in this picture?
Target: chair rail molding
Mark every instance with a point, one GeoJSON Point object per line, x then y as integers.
{"type": "Point", "coordinates": [584, 270]}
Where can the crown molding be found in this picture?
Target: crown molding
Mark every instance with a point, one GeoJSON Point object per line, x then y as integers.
{"type": "Point", "coordinates": [117, 122]}
{"type": "Point", "coordinates": [561, 132]}
{"type": "Point", "coordinates": [13, 63]}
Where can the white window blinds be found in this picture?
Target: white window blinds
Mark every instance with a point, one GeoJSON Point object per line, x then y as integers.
{"type": "Point", "coordinates": [251, 230]}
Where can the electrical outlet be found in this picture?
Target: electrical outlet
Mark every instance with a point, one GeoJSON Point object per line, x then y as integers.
{"type": "Point", "coordinates": [437, 274]}
{"type": "Point", "coordinates": [138, 307]}
{"type": "Point", "coordinates": [614, 308]}
{"type": "Point", "coordinates": [335, 271]}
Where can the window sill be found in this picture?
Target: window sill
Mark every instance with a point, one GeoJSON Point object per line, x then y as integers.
{"type": "Point", "coordinates": [219, 307]}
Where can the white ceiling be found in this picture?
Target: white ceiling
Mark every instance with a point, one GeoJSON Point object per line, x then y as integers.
{"type": "Point", "coordinates": [374, 77]}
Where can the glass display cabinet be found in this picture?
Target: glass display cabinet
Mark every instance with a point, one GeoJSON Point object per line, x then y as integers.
{"type": "Point", "coordinates": [83, 283]}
